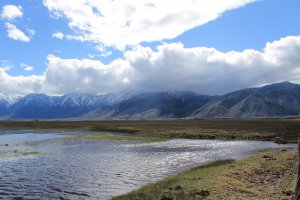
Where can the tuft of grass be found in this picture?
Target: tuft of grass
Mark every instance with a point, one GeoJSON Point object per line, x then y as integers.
{"type": "Point", "coordinates": [29, 153]}
{"type": "Point", "coordinates": [18, 153]}
{"type": "Point", "coordinates": [266, 175]}
{"type": "Point", "coordinates": [99, 136]}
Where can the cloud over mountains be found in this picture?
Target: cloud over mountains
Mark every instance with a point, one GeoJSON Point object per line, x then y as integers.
{"type": "Point", "coordinates": [170, 67]}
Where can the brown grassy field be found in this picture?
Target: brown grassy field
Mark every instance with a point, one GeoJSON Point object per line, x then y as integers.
{"type": "Point", "coordinates": [259, 129]}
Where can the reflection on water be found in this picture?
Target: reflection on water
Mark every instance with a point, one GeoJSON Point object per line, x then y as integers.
{"type": "Point", "coordinates": [102, 169]}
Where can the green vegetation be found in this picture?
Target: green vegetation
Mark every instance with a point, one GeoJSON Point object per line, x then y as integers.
{"type": "Point", "coordinates": [18, 153]}
{"type": "Point", "coordinates": [99, 136]}
{"type": "Point", "coordinates": [256, 129]}
{"type": "Point", "coordinates": [267, 175]}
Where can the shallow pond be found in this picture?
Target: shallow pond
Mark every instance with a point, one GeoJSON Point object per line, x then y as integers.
{"type": "Point", "coordinates": [102, 169]}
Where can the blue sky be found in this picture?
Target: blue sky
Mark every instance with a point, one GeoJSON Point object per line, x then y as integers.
{"type": "Point", "coordinates": [249, 25]}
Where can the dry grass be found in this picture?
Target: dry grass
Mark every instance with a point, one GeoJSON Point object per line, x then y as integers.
{"type": "Point", "coordinates": [259, 129]}
{"type": "Point", "coordinates": [263, 176]}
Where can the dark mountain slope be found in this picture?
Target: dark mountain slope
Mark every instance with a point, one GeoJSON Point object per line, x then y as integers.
{"type": "Point", "coordinates": [153, 105]}
{"type": "Point", "coordinates": [277, 100]}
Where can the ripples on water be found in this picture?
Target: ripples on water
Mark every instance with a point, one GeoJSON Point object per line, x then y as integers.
{"type": "Point", "coordinates": [102, 169]}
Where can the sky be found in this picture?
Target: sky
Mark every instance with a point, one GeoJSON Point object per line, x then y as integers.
{"type": "Point", "coordinates": [102, 46]}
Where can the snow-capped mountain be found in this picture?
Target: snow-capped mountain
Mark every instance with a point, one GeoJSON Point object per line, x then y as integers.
{"type": "Point", "coordinates": [152, 105]}
{"type": "Point", "coordinates": [77, 99]}
{"type": "Point", "coordinates": [276, 100]}
{"type": "Point", "coordinates": [8, 99]}
{"type": "Point", "coordinates": [139, 104]}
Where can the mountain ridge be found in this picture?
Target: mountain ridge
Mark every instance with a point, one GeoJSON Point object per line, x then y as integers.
{"type": "Point", "coordinates": [274, 100]}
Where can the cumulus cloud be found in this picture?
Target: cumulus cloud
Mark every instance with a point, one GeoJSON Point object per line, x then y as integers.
{"type": "Point", "coordinates": [11, 12]}
{"type": "Point", "coordinates": [31, 32]}
{"type": "Point", "coordinates": [26, 67]}
{"type": "Point", "coordinates": [58, 35]}
{"type": "Point", "coordinates": [16, 34]}
{"type": "Point", "coordinates": [169, 67]}
{"type": "Point", "coordinates": [69, 75]}
{"type": "Point", "coordinates": [122, 23]}
{"type": "Point", "coordinates": [19, 85]}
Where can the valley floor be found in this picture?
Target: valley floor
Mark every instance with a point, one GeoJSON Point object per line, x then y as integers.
{"type": "Point", "coordinates": [267, 175]}
{"type": "Point", "coordinates": [255, 129]}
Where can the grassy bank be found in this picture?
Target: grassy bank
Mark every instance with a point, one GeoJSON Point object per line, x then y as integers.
{"type": "Point", "coordinates": [268, 175]}
{"type": "Point", "coordinates": [99, 136]}
{"type": "Point", "coordinates": [257, 129]}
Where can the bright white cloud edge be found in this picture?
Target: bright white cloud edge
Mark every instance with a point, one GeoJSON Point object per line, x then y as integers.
{"type": "Point", "coordinates": [26, 67]}
{"type": "Point", "coordinates": [58, 35]}
{"type": "Point", "coordinates": [170, 67]}
{"type": "Point", "coordinates": [11, 12]}
{"type": "Point", "coordinates": [108, 23]}
{"type": "Point", "coordinates": [16, 34]}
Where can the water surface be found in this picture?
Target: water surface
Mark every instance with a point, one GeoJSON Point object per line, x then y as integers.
{"type": "Point", "coordinates": [102, 169]}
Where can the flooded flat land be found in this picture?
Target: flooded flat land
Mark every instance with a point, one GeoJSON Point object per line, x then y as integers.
{"type": "Point", "coordinates": [55, 167]}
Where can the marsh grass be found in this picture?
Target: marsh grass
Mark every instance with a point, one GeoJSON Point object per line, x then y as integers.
{"type": "Point", "coordinates": [254, 129]}
{"type": "Point", "coordinates": [93, 136]}
{"type": "Point", "coordinates": [263, 176]}
{"type": "Point", "coordinates": [101, 136]}
{"type": "Point", "coordinates": [18, 153]}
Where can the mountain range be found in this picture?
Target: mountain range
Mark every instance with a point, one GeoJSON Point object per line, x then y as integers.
{"type": "Point", "coordinates": [276, 100]}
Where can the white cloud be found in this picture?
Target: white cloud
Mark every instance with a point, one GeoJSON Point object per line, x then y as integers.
{"type": "Point", "coordinates": [11, 12]}
{"type": "Point", "coordinates": [31, 32]}
{"type": "Point", "coordinates": [170, 67]}
{"type": "Point", "coordinates": [61, 74]}
{"type": "Point", "coordinates": [26, 67]}
{"type": "Point", "coordinates": [4, 64]}
{"type": "Point", "coordinates": [101, 55]}
{"type": "Point", "coordinates": [14, 33]}
{"type": "Point", "coordinates": [105, 54]}
{"type": "Point", "coordinates": [19, 85]}
{"type": "Point", "coordinates": [122, 23]}
{"type": "Point", "coordinates": [58, 35]}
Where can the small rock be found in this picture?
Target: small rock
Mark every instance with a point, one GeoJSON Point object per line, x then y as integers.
{"type": "Point", "coordinates": [266, 157]}
{"type": "Point", "coordinates": [280, 140]}
{"type": "Point", "coordinates": [178, 187]}
{"type": "Point", "coordinates": [166, 198]}
{"type": "Point", "coordinates": [203, 193]}
{"type": "Point", "coordinates": [288, 193]}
